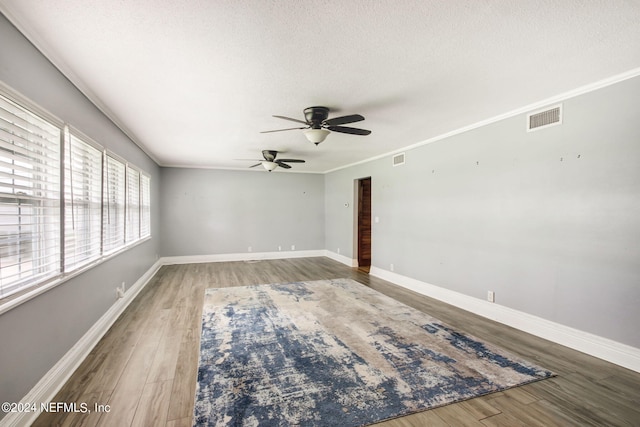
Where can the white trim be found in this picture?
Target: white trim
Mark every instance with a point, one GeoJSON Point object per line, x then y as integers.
{"type": "Point", "coordinates": [29, 105]}
{"type": "Point", "coordinates": [46, 389]}
{"type": "Point", "coordinates": [239, 169]}
{"type": "Point", "coordinates": [537, 105]}
{"type": "Point", "coordinates": [67, 131]}
{"type": "Point", "coordinates": [60, 278]}
{"type": "Point", "coordinates": [45, 50]}
{"type": "Point", "coordinates": [78, 134]}
{"type": "Point", "coordinates": [603, 348]}
{"type": "Point", "coordinates": [246, 256]}
{"type": "Point", "coordinates": [43, 46]}
{"type": "Point", "coordinates": [341, 258]}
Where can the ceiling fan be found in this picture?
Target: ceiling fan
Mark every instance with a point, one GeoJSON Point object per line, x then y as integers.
{"type": "Point", "coordinates": [270, 162]}
{"type": "Point", "coordinates": [318, 125]}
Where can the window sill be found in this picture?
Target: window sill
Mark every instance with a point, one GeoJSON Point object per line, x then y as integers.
{"type": "Point", "coordinates": [14, 300]}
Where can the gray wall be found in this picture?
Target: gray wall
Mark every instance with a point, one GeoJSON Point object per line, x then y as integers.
{"type": "Point", "coordinates": [206, 212]}
{"type": "Point", "coordinates": [549, 220]}
{"type": "Point", "coordinates": [492, 209]}
{"type": "Point", "coordinates": [36, 334]}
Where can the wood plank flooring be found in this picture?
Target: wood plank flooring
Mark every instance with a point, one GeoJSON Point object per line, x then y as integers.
{"type": "Point", "coordinates": [144, 368]}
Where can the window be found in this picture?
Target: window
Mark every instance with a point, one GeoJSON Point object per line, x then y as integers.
{"type": "Point", "coordinates": [145, 211]}
{"type": "Point", "coordinates": [114, 201]}
{"type": "Point", "coordinates": [82, 202]}
{"type": "Point", "coordinates": [133, 204]}
{"type": "Point", "coordinates": [29, 198]}
{"type": "Point", "coordinates": [64, 201]}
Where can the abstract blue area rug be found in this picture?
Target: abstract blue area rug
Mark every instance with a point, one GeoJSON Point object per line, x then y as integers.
{"type": "Point", "coordinates": [335, 353]}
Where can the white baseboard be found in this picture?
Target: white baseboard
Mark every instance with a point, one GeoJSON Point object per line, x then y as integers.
{"type": "Point", "coordinates": [45, 390]}
{"type": "Point", "coordinates": [341, 258]}
{"type": "Point", "coordinates": [603, 348]}
{"type": "Point", "coordinates": [246, 256]}
{"type": "Point", "coordinates": [256, 256]}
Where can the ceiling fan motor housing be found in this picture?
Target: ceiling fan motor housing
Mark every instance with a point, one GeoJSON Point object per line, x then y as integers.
{"type": "Point", "coordinates": [315, 116]}
{"type": "Point", "coordinates": [269, 155]}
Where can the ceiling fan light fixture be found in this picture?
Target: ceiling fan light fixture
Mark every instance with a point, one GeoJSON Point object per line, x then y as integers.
{"type": "Point", "coordinates": [316, 135]}
{"type": "Point", "coordinates": [269, 165]}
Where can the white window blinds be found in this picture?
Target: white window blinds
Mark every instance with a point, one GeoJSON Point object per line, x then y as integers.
{"type": "Point", "coordinates": [114, 202]}
{"type": "Point", "coordinates": [64, 201]}
{"type": "Point", "coordinates": [133, 204]}
{"type": "Point", "coordinates": [145, 211]}
{"type": "Point", "coordinates": [83, 202]}
{"type": "Point", "coordinates": [29, 198]}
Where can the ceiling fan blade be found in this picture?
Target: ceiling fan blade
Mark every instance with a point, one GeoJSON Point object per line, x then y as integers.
{"type": "Point", "coordinates": [352, 131]}
{"type": "Point", "coordinates": [344, 120]}
{"type": "Point", "coordinates": [257, 164]}
{"type": "Point", "coordinates": [283, 165]}
{"type": "Point", "coordinates": [289, 118]}
{"type": "Point", "coordinates": [290, 160]}
{"type": "Point", "coordinates": [280, 130]}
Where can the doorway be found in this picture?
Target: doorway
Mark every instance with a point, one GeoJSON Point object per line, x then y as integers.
{"type": "Point", "coordinates": [364, 224]}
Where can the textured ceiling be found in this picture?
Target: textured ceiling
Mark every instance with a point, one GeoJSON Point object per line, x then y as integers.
{"type": "Point", "coordinates": [194, 82]}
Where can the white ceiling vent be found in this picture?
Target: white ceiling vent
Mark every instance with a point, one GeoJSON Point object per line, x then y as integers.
{"type": "Point", "coordinates": [398, 159]}
{"type": "Point", "coordinates": [542, 119]}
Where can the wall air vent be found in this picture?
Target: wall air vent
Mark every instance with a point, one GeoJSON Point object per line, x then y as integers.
{"type": "Point", "coordinates": [398, 159]}
{"type": "Point", "coordinates": [543, 119]}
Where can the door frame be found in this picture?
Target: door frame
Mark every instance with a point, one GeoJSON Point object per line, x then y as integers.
{"type": "Point", "coordinates": [356, 217]}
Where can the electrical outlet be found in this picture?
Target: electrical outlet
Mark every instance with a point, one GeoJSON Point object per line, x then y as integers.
{"type": "Point", "coordinates": [120, 291]}
{"type": "Point", "coordinates": [293, 247]}
{"type": "Point", "coordinates": [391, 267]}
{"type": "Point", "coordinates": [249, 249]}
{"type": "Point", "coordinates": [491, 296]}
{"type": "Point", "coordinates": [338, 250]}
{"type": "Point", "coordinates": [279, 247]}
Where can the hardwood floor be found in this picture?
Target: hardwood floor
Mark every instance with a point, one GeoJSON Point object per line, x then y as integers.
{"type": "Point", "coordinates": [144, 368]}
